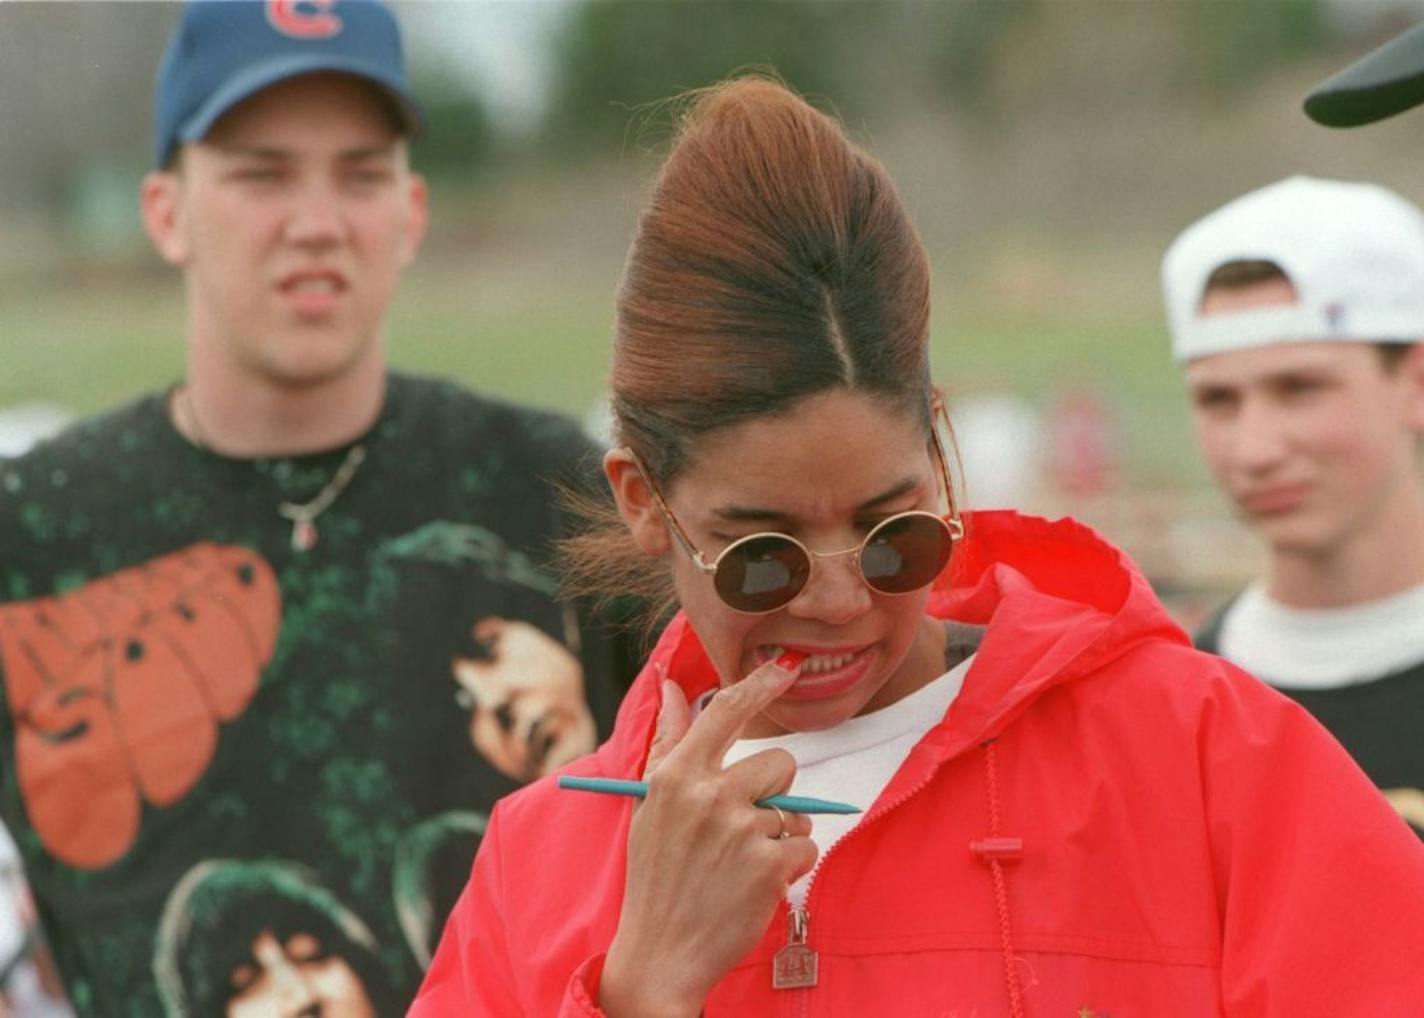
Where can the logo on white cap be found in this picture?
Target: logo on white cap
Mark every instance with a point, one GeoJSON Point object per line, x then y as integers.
{"type": "Point", "coordinates": [304, 19]}
{"type": "Point", "coordinates": [1353, 253]}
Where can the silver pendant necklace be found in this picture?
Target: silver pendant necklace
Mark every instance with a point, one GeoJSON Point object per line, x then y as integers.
{"type": "Point", "coordinates": [302, 514]}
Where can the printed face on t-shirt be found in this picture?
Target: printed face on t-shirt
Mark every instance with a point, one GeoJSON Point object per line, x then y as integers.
{"type": "Point", "coordinates": [525, 694]}
{"type": "Point", "coordinates": [296, 976]}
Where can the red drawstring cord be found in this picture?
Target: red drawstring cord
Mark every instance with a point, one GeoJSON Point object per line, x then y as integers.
{"type": "Point", "coordinates": [995, 851]}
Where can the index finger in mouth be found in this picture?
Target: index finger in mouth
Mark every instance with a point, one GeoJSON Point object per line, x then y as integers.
{"type": "Point", "coordinates": [721, 723]}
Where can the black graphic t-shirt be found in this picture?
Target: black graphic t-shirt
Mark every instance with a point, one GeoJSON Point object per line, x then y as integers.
{"type": "Point", "coordinates": [235, 765]}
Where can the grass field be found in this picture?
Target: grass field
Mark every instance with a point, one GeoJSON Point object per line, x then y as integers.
{"type": "Point", "coordinates": [91, 346]}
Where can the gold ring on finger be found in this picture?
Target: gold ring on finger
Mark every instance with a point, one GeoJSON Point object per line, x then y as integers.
{"type": "Point", "coordinates": [782, 833]}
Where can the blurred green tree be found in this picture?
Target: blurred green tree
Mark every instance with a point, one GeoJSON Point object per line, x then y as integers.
{"type": "Point", "coordinates": [965, 39]}
{"type": "Point", "coordinates": [1231, 44]}
{"type": "Point", "coordinates": [460, 137]}
{"type": "Point", "coordinates": [615, 58]}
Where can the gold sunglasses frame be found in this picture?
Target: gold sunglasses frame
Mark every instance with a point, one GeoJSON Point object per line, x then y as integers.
{"type": "Point", "coordinates": [951, 520]}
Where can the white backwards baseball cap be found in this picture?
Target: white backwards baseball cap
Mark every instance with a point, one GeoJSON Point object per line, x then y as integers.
{"type": "Point", "coordinates": [1353, 252]}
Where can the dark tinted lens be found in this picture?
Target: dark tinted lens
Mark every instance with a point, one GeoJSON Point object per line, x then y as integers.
{"type": "Point", "coordinates": [906, 553]}
{"type": "Point", "coordinates": [761, 574]}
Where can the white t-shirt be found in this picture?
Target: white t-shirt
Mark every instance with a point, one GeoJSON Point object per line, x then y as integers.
{"type": "Point", "coordinates": [1323, 648]}
{"type": "Point", "coordinates": [855, 760]}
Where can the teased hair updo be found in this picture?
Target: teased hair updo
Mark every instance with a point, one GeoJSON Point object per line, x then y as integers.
{"type": "Point", "coordinates": [773, 261]}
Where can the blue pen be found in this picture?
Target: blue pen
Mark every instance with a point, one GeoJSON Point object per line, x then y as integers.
{"type": "Point", "coordinates": [789, 803]}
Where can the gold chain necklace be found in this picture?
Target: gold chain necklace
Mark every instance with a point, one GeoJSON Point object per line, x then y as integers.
{"type": "Point", "coordinates": [302, 514]}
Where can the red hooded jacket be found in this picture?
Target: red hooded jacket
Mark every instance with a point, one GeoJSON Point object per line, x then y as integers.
{"type": "Point", "coordinates": [1106, 823]}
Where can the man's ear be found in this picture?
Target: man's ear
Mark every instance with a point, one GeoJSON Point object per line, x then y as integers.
{"type": "Point", "coordinates": [418, 218]}
{"type": "Point", "coordinates": [160, 205]}
{"type": "Point", "coordinates": [635, 502]}
{"type": "Point", "coordinates": [1411, 372]}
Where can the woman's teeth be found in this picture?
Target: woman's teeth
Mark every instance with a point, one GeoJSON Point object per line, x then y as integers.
{"type": "Point", "coordinates": [824, 663]}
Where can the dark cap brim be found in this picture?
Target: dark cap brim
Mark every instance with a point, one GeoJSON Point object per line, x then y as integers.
{"type": "Point", "coordinates": [1378, 85]}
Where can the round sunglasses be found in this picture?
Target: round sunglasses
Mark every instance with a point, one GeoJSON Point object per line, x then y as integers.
{"type": "Point", "coordinates": [764, 572]}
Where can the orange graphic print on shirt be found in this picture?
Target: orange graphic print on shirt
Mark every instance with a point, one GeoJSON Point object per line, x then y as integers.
{"type": "Point", "coordinates": [116, 690]}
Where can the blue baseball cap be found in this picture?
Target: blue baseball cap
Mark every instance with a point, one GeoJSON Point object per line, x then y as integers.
{"type": "Point", "coordinates": [223, 51]}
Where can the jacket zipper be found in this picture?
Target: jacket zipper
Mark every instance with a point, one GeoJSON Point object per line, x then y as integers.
{"type": "Point", "coordinates": [798, 918]}
{"type": "Point", "coordinates": [794, 966]}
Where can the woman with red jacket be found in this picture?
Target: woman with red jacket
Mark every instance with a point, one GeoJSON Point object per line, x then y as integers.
{"type": "Point", "coordinates": [1066, 810]}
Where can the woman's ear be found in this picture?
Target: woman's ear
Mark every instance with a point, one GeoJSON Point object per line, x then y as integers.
{"type": "Point", "coordinates": [635, 502]}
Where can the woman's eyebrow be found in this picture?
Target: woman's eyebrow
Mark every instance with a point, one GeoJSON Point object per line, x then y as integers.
{"type": "Point", "coordinates": [742, 514]}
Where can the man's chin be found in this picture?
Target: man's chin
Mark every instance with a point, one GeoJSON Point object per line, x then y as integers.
{"type": "Point", "coordinates": [1294, 535]}
{"type": "Point", "coordinates": [307, 373]}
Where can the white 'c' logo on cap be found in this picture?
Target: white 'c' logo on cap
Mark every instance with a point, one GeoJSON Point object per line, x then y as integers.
{"type": "Point", "coordinates": [304, 19]}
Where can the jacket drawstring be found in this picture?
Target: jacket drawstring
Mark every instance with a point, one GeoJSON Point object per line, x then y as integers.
{"type": "Point", "coordinates": [996, 850]}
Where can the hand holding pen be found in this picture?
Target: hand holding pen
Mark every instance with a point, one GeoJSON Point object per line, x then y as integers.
{"type": "Point", "coordinates": [707, 868]}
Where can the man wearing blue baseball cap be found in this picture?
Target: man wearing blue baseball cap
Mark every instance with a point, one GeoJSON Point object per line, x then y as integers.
{"type": "Point", "coordinates": [290, 611]}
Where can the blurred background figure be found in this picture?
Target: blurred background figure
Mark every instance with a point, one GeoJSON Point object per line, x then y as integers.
{"type": "Point", "coordinates": [24, 424]}
{"type": "Point", "coordinates": [1084, 442]}
{"type": "Point", "coordinates": [29, 984]}
{"type": "Point", "coordinates": [1000, 441]}
{"type": "Point", "coordinates": [1297, 312]}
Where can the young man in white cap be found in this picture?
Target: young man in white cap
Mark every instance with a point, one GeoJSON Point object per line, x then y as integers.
{"type": "Point", "coordinates": [292, 608]}
{"type": "Point", "coordinates": [1296, 313]}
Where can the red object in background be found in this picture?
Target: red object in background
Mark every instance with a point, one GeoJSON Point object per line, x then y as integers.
{"type": "Point", "coordinates": [1083, 442]}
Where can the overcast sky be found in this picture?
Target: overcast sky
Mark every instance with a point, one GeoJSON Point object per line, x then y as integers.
{"type": "Point", "coordinates": [501, 47]}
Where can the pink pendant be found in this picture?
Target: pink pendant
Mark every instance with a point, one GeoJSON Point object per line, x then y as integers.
{"type": "Point", "coordinates": [303, 535]}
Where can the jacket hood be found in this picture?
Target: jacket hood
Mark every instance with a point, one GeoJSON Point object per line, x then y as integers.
{"type": "Point", "coordinates": [1059, 602]}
